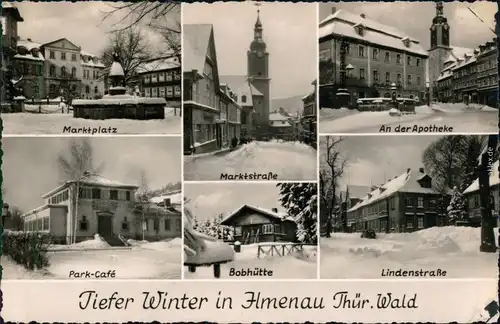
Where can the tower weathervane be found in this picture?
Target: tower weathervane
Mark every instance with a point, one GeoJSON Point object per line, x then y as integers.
{"type": "Point", "coordinates": [258, 4]}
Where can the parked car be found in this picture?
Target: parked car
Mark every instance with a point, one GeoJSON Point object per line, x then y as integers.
{"type": "Point", "coordinates": [369, 234]}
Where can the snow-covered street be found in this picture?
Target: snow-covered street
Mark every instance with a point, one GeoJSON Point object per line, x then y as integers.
{"type": "Point", "coordinates": [292, 161]}
{"type": "Point", "coordinates": [300, 265]}
{"type": "Point", "coordinates": [473, 120]}
{"type": "Point", "coordinates": [54, 123]}
{"type": "Point", "coordinates": [452, 249]}
{"type": "Point", "coordinates": [156, 260]}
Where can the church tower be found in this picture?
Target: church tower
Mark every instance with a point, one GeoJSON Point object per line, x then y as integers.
{"type": "Point", "coordinates": [440, 47]}
{"type": "Point", "coordinates": [258, 74]}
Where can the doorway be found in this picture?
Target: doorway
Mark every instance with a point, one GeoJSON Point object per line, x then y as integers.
{"type": "Point", "coordinates": [105, 224]}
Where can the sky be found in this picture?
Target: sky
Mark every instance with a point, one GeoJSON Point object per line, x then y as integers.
{"type": "Point", "coordinates": [290, 32]}
{"type": "Point", "coordinates": [207, 200]}
{"type": "Point", "coordinates": [30, 166]}
{"type": "Point", "coordinates": [80, 22]}
{"type": "Point", "coordinates": [415, 19]}
{"type": "Point", "coordinates": [373, 159]}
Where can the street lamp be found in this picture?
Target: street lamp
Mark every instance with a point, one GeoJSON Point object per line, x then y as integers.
{"type": "Point", "coordinates": [5, 213]}
{"type": "Point", "coordinates": [394, 95]}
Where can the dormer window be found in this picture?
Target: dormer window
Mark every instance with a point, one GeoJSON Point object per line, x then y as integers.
{"type": "Point", "coordinates": [35, 52]}
{"type": "Point", "coordinates": [359, 28]}
{"type": "Point", "coordinates": [406, 42]}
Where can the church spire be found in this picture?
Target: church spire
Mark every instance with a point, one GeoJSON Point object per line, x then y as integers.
{"type": "Point", "coordinates": [439, 8]}
{"type": "Point", "coordinates": [258, 43]}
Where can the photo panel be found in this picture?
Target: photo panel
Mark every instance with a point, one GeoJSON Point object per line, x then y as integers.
{"type": "Point", "coordinates": [250, 106]}
{"type": "Point", "coordinates": [415, 206]}
{"type": "Point", "coordinates": [261, 231]}
{"type": "Point", "coordinates": [91, 68]}
{"type": "Point", "coordinates": [382, 71]}
{"type": "Point", "coordinates": [92, 208]}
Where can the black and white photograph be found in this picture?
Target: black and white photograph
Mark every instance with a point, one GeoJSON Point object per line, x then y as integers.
{"type": "Point", "coordinates": [383, 71]}
{"type": "Point", "coordinates": [250, 230]}
{"type": "Point", "coordinates": [249, 103]}
{"type": "Point", "coordinates": [91, 68]}
{"type": "Point", "coordinates": [92, 208]}
{"type": "Point", "coordinates": [426, 205]}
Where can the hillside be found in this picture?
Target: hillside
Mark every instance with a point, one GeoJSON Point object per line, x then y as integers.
{"type": "Point", "coordinates": [292, 105]}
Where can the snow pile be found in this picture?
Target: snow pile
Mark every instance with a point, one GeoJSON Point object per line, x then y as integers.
{"type": "Point", "coordinates": [461, 107]}
{"type": "Point", "coordinates": [299, 265]}
{"type": "Point", "coordinates": [45, 109]}
{"type": "Point", "coordinates": [133, 242]}
{"type": "Point", "coordinates": [162, 245]}
{"type": "Point", "coordinates": [328, 113]}
{"type": "Point", "coordinates": [215, 251]}
{"type": "Point", "coordinates": [453, 249]}
{"type": "Point", "coordinates": [288, 160]}
{"type": "Point", "coordinates": [96, 243]}
{"type": "Point", "coordinates": [28, 123]}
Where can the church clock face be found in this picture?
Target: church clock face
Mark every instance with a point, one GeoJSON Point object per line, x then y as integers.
{"type": "Point", "coordinates": [260, 54]}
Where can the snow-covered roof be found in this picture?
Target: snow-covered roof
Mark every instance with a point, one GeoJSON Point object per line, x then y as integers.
{"type": "Point", "coordinates": [494, 179]}
{"type": "Point", "coordinates": [277, 116]}
{"type": "Point", "coordinates": [406, 182]}
{"type": "Point", "coordinates": [116, 69]}
{"type": "Point", "coordinates": [356, 191]}
{"type": "Point", "coordinates": [466, 60]}
{"type": "Point", "coordinates": [174, 196]}
{"type": "Point", "coordinates": [277, 216]}
{"type": "Point", "coordinates": [92, 180]}
{"type": "Point", "coordinates": [159, 65]}
{"type": "Point", "coordinates": [196, 38]}
{"type": "Point", "coordinates": [241, 86]}
{"type": "Point", "coordinates": [343, 23]}
{"type": "Point", "coordinates": [29, 46]}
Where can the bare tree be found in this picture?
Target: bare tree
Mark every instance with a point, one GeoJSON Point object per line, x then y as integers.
{"type": "Point", "coordinates": [142, 198]}
{"type": "Point", "coordinates": [15, 222]}
{"type": "Point", "coordinates": [132, 49]}
{"type": "Point", "coordinates": [76, 163]}
{"type": "Point", "coordinates": [332, 169]}
{"type": "Point", "coordinates": [161, 17]}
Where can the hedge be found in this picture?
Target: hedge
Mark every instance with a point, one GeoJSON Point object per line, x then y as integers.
{"type": "Point", "coordinates": [28, 249]}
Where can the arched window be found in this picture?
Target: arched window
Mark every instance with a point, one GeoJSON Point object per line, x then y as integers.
{"type": "Point", "coordinates": [87, 89]}
{"type": "Point", "coordinates": [63, 71]}
{"type": "Point", "coordinates": [96, 90]}
{"type": "Point", "coordinates": [73, 72]}
{"type": "Point", "coordinates": [52, 71]}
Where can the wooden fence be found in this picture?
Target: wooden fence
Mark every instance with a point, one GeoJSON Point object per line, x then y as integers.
{"type": "Point", "coordinates": [280, 250]}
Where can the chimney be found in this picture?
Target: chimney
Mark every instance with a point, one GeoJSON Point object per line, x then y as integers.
{"type": "Point", "coordinates": [408, 170]}
{"type": "Point", "coordinates": [363, 16]}
{"type": "Point", "coordinates": [167, 202]}
{"type": "Point", "coordinates": [275, 210]}
{"type": "Point", "coordinates": [373, 188]}
{"type": "Point", "coordinates": [334, 10]}
{"type": "Point", "coordinates": [421, 170]}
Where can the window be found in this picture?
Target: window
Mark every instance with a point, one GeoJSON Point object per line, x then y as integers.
{"type": "Point", "coordinates": [46, 224]}
{"type": "Point", "coordinates": [154, 92]}
{"type": "Point", "coordinates": [243, 98]}
{"type": "Point", "coordinates": [237, 231]}
{"type": "Point", "coordinates": [348, 49]}
{"type": "Point", "coordinates": [161, 77]}
{"type": "Point", "coordinates": [170, 91]}
{"type": "Point", "coordinates": [166, 224]}
{"type": "Point", "coordinates": [113, 194]}
{"type": "Point", "coordinates": [96, 89]}
{"type": "Point", "coordinates": [361, 74]}
{"type": "Point", "coordinates": [125, 224]}
{"type": "Point", "coordinates": [419, 81]}
{"type": "Point", "coordinates": [63, 71]}
{"type": "Point", "coordinates": [169, 76]}
{"type": "Point", "coordinates": [409, 80]}
{"type": "Point", "coordinates": [408, 59]}
{"type": "Point", "coordinates": [52, 71]}
{"type": "Point", "coordinates": [409, 222]}
{"type": "Point", "coordinates": [84, 224]}
{"type": "Point", "coordinates": [147, 92]}
{"type": "Point", "coordinates": [52, 54]}
{"type": "Point", "coordinates": [420, 202]}
{"type": "Point", "coordinates": [63, 56]}
{"type": "Point", "coordinates": [127, 195]}
{"type": "Point", "coordinates": [177, 75]}
{"type": "Point", "coordinates": [267, 229]}
{"type": "Point", "coordinates": [177, 91]}
{"type": "Point", "coordinates": [399, 78]}
{"type": "Point", "coordinates": [361, 51]}
{"type": "Point", "coordinates": [156, 224]}
{"type": "Point", "coordinates": [147, 79]}
{"type": "Point", "coordinates": [387, 57]}
{"type": "Point", "coordinates": [409, 201]}
{"type": "Point", "coordinates": [418, 62]}
{"type": "Point", "coordinates": [161, 93]}
{"type": "Point", "coordinates": [73, 72]}
{"type": "Point", "coordinates": [73, 57]}
{"type": "Point", "coordinates": [154, 78]}
{"type": "Point", "coordinates": [387, 77]}
{"type": "Point", "coordinates": [393, 203]}
{"type": "Point", "coordinates": [87, 89]}
{"type": "Point", "coordinates": [375, 76]}
{"type": "Point", "coordinates": [375, 53]}
{"type": "Point", "coordinates": [96, 193]}
{"type": "Point", "coordinates": [420, 222]}
{"type": "Point", "coordinates": [398, 58]}
{"type": "Point", "coordinates": [178, 225]}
